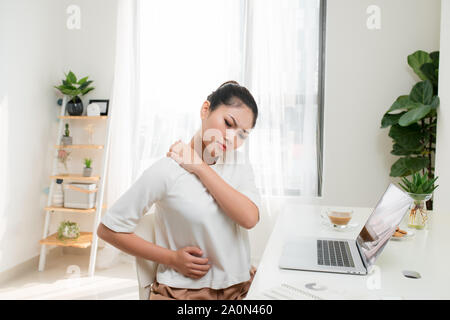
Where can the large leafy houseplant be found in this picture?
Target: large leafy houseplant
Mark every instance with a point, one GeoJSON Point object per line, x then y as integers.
{"type": "Point", "coordinates": [412, 119]}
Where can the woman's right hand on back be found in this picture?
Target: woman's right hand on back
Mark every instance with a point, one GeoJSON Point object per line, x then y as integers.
{"type": "Point", "coordinates": [188, 262]}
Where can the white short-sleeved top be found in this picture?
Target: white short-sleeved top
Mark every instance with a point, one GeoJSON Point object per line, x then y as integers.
{"type": "Point", "coordinates": [186, 214]}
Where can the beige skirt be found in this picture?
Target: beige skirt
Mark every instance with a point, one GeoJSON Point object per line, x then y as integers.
{"type": "Point", "coordinates": [238, 291]}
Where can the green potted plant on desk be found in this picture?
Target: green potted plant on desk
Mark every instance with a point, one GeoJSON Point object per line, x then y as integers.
{"type": "Point", "coordinates": [420, 189]}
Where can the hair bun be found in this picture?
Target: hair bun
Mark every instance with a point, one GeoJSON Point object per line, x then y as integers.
{"type": "Point", "coordinates": [228, 82]}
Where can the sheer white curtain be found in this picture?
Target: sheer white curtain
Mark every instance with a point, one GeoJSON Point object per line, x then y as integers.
{"type": "Point", "coordinates": [124, 102]}
{"type": "Point", "coordinates": [281, 70]}
{"type": "Point", "coordinates": [187, 49]}
{"type": "Point", "coordinates": [171, 54]}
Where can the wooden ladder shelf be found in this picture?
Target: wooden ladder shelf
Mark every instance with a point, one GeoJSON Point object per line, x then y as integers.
{"type": "Point", "coordinates": [86, 239]}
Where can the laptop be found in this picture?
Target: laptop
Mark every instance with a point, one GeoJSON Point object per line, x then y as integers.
{"type": "Point", "coordinates": [353, 256]}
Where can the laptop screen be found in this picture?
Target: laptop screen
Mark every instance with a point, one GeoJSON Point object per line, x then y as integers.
{"type": "Point", "coordinates": [382, 223]}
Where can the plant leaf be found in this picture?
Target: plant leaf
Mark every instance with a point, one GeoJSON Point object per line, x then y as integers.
{"type": "Point", "coordinates": [403, 102]}
{"type": "Point", "coordinates": [414, 115]}
{"type": "Point", "coordinates": [85, 85]}
{"type": "Point", "coordinates": [435, 57]}
{"type": "Point", "coordinates": [430, 71]}
{"type": "Point", "coordinates": [398, 150]}
{"type": "Point", "coordinates": [435, 102]}
{"type": "Point", "coordinates": [407, 166]}
{"type": "Point", "coordinates": [82, 80]}
{"type": "Point", "coordinates": [85, 91]}
{"type": "Point", "coordinates": [404, 187]}
{"type": "Point", "coordinates": [390, 119]}
{"type": "Point", "coordinates": [422, 92]}
{"type": "Point", "coordinates": [409, 184]}
{"type": "Point", "coordinates": [67, 85]}
{"type": "Point", "coordinates": [416, 60]}
{"type": "Point", "coordinates": [427, 186]}
{"type": "Point", "coordinates": [408, 137]}
{"type": "Point", "coordinates": [69, 92]}
{"type": "Point", "coordinates": [406, 182]}
{"type": "Point", "coordinates": [71, 77]}
{"type": "Point", "coordinates": [415, 176]}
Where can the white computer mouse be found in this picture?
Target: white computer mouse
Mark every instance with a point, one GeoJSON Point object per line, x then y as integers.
{"type": "Point", "coordinates": [411, 274]}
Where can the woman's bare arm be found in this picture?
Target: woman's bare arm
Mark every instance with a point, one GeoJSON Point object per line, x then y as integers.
{"type": "Point", "coordinates": [136, 246]}
{"type": "Point", "coordinates": [185, 260]}
{"type": "Point", "coordinates": [236, 205]}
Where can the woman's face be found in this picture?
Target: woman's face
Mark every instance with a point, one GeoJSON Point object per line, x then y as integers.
{"type": "Point", "coordinates": [226, 128]}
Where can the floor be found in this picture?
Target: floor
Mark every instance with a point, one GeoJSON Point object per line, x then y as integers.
{"type": "Point", "coordinates": [65, 278]}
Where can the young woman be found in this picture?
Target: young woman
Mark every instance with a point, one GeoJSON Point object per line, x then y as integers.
{"type": "Point", "coordinates": [205, 201]}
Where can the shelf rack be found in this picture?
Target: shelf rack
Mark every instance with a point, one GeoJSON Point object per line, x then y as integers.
{"type": "Point", "coordinates": [86, 239]}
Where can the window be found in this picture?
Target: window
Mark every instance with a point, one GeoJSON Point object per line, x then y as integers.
{"type": "Point", "coordinates": [274, 48]}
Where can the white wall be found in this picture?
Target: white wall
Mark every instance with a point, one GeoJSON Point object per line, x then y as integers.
{"type": "Point", "coordinates": [366, 70]}
{"type": "Point", "coordinates": [30, 41]}
{"type": "Point", "coordinates": [90, 51]}
{"type": "Point", "coordinates": [443, 130]}
{"type": "Point", "coordinates": [37, 49]}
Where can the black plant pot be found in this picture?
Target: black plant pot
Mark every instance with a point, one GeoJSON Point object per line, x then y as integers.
{"type": "Point", "coordinates": [75, 108]}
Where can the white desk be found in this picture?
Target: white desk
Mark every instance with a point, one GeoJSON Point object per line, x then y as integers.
{"type": "Point", "coordinates": [427, 252]}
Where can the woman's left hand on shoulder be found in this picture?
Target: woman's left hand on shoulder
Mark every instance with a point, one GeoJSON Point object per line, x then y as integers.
{"type": "Point", "coordinates": [185, 156]}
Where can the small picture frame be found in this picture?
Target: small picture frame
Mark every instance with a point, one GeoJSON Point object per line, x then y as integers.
{"type": "Point", "coordinates": [104, 104]}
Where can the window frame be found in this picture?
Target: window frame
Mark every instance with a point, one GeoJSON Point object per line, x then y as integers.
{"type": "Point", "coordinates": [321, 94]}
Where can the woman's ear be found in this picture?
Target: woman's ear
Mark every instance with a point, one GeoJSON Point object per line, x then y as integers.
{"type": "Point", "coordinates": [204, 111]}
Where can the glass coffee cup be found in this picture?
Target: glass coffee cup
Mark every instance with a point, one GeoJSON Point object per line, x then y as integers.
{"type": "Point", "coordinates": [338, 217]}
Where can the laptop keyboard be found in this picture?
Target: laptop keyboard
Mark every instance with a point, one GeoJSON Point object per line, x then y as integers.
{"type": "Point", "coordinates": [334, 253]}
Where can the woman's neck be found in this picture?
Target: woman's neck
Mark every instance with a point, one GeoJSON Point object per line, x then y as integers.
{"type": "Point", "coordinates": [198, 145]}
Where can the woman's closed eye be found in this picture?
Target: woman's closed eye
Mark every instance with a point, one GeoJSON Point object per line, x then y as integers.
{"type": "Point", "coordinates": [229, 125]}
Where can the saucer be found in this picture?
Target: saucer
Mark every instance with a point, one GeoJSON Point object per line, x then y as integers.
{"type": "Point", "coordinates": [409, 234]}
{"type": "Point", "coordinates": [350, 226]}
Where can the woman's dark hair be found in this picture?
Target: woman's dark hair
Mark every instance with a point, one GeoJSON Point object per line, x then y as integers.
{"type": "Point", "coordinates": [231, 93]}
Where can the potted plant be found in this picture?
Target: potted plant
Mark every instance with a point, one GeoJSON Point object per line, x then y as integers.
{"type": "Point", "coordinates": [87, 170]}
{"type": "Point", "coordinates": [412, 119]}
{"type": "Point", "coordinates": [73, 88]}
{"type": "Point", "coordinates": [68, 230]}
{"type": "Point", "coordinates": [420, 189]}
{"type": "Point", "coordinates": [66, 138]}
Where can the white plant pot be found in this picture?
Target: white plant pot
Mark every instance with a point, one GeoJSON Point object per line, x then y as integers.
{"type": "Point", "coordinates": [71, 234]}
{"type": "Point", "coordinates": [87, 172]}
{"type": "Point", "coordinates": [66, 140]}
